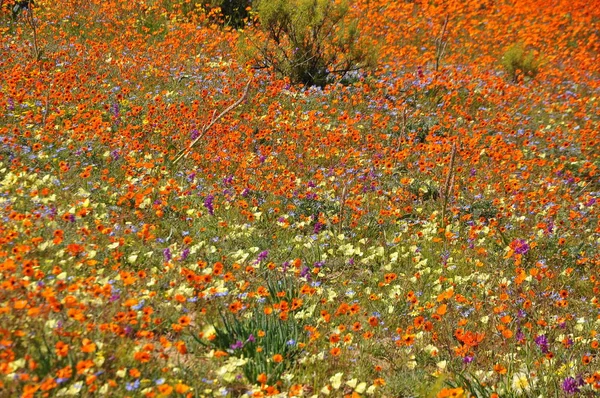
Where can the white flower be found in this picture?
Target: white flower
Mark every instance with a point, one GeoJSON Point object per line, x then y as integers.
{"type": "Point", "coordinates": [336, 380]}
{"type": "Point", "coordinates": [520, 382]}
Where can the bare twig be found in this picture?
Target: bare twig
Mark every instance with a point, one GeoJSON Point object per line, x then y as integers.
{"type": "Point", "coordinates": [440, 44]}
{"type": "Point", "coordinates": [448, 184]}
{"type": "Point", "coordinates": [342, 208]}
{"type": "Point", "coordinates": [184, 152]}
{"type": "Point", "coordinates": [37, 52]}
{"type": "Point", "coordinates": [47, 106]}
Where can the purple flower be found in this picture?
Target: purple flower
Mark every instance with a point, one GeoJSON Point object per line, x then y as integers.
{"type": "Point", "coordinates": [305, 273]}
{"type": "Point", "coordinates": [520, 336]}
{"type": "Point", "coordinates": [185, 254]}
{"type": "Point", "coordinates": [262, 256]}
{"type": "Point", "coordinates": [115, 109]}
{"type": "Point", "coordinates": [208, 203]}
{"type": "Point", "coordinates": [591, 202]}
{"type": "Point", "coordinates": [167, 254]}
{"type": "Point", "coordinates": [194, 134]}
{"type": "Point", "coordinates": [521, 247]}
{"type": "Point", "coordinates": [251, 338]}
{"type": "Point", "coordinates": [420, 73]}
{"type": "Point", "coordinates": [114, 297]}
{"type": "Point", "coordinates": [571, 385]}
{"type": "Point", "coordinates": [318, 227]}
{"type": "Point", "coordinates": [542, 342]}
{"type": "Point", "coordinates": [237, 345]}
{"type": "Point", "coordinates": [467, 359]}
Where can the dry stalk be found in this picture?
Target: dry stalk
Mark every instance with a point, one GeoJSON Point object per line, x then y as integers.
{"type": "Point", "coordinates": [37, 52]}
{"type": "Point", "coordinates": [448, 184]}
{"type": "Point", "coordinates": [440, 44]}
{"type": "Point", "coordinates": [184, 152]}
{"type": "Point", "coordinates": [342, 208]}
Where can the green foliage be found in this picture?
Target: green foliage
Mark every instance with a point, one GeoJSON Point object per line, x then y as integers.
{"type": "Point", "coordinates": [483, 208]}
{"type": "Point", "coordinates": [243, 333]}
{"type": "Point", "coordinates": [518, 62]}
{"type": "Point", "coordinates": [234, 13]}
{"type": "Point", "coordinates": [424, 190]}
{"type": "Point", "coordinates": [471, 384]}
{"type": "Point", "coordinates": [310, 41]}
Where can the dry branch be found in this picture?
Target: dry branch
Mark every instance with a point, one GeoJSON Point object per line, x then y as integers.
{"type": "Point", "coordinates": [213, 120]}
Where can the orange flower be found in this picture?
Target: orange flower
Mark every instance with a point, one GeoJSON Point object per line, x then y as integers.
{"type": "Point", "coordinates": [441, 310]}
{"type": "Point", "coordinates": [87, 346]}
{"type": "Point", "coordinates": [295, 390]}
{"type": "Point", "coordinates": [262, 378]}
{"type": "Point", "coordinates": [134, 372]}
{"type": "Point", "coordinates": [181, 347]}
{"type": "Point", "coordinates": [165, 390]}
{"type": "Point", "coordinates": [388, 278]}
{"type": "Point", "coordinates": [451, 393]}
{"type": "Point", "coordinates": [142, 356]}
{"type": "Point", "coordinates": [184, 320]}
{"type": "Point", "coordinates": [277, 358]}
{"type": "Point", "coordinates": [181, 388]}
{"type": "Point", "coordinates": [62, 349]}
{"type": "Point", "coordinates": [220, 354]}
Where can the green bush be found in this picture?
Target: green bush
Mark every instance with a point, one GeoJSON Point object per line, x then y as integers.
{"type": "Point", "coordinates": [517, 62]}
{"type": "Point", "coordinates": [312, 42]}
{"type": "Point", "coordinates": [233, 13]}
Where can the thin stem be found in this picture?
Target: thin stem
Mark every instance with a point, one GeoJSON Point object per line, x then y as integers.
{"type": "Point", "coordinates": [31, 22]}
{"type": "Point", "coordinates": [448, 184]}
{"type": "Point", "coordinates": [440, 44]}
{"type": "Point", "coordinates": [213, 120]}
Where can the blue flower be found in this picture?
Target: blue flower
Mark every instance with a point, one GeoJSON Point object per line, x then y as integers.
{"type": "Point", "coordinates": [133, 386]}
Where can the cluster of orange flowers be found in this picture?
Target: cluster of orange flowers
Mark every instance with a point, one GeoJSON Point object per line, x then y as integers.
{"type": "Point", "coordinates": [432, 208]}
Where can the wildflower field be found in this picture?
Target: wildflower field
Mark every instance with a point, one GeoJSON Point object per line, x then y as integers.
{"type": "Point", "coordinates": [186, 212]}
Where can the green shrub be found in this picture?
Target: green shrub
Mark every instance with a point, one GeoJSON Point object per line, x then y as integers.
{"type": "Point", "coordinates": [233, 13]}
{"type": "Point", "coordinates": [312, 42]}
{"type": "Point", "coordinates": [517, 62]}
